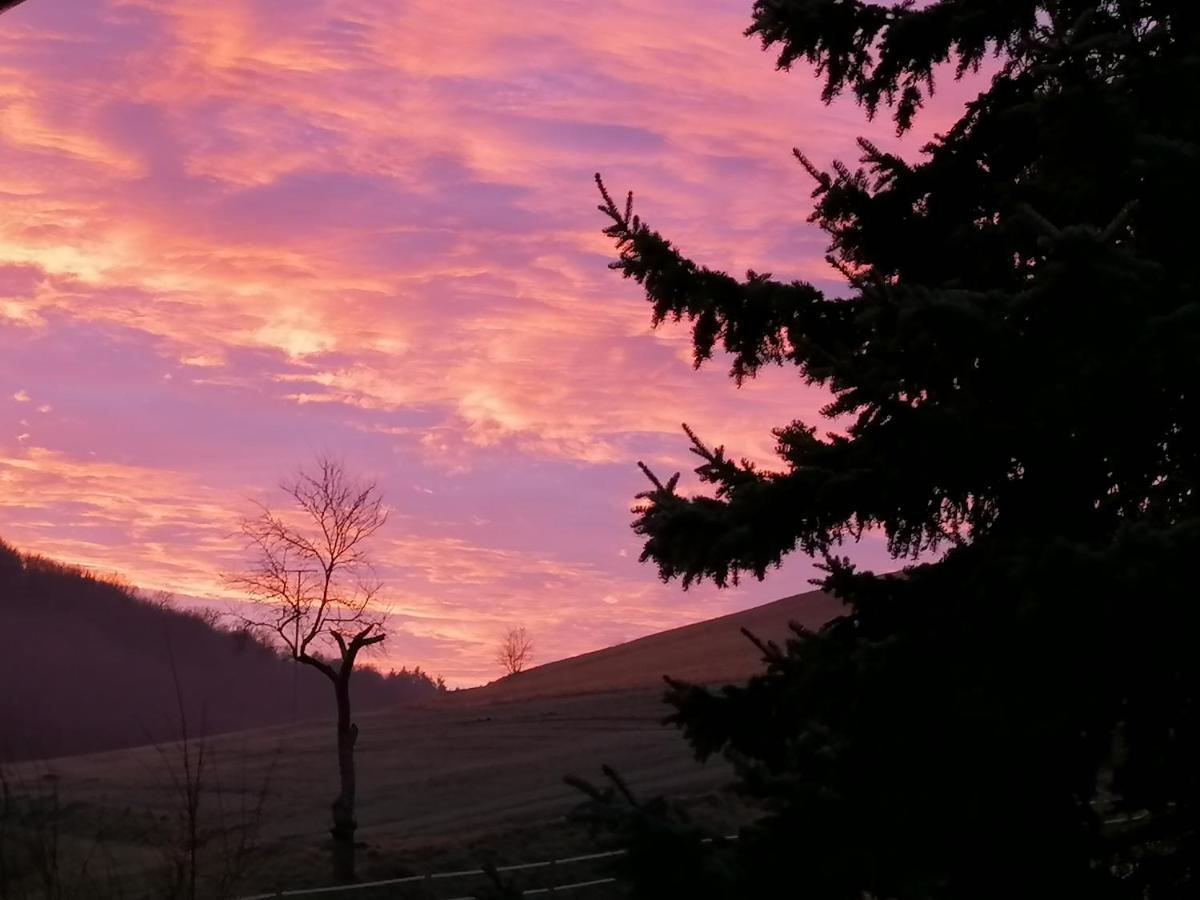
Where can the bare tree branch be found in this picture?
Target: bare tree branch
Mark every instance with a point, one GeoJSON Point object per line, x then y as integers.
{"type": "Point", "coordinates": [311, 574]}
{"type": "Point", "coordinates": [515, 650]}
{"type": "Point", "coordinates": [314, 590]}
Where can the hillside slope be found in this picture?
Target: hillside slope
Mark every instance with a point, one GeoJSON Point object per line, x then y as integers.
{"type": "Point", "coordinates": [712, 651]}
{"type": "Point", "coordinates": [87, 665]}
{"type": "Point", "coordinates": [476, 773]}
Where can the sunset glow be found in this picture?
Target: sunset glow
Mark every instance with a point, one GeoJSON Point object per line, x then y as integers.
{"type": "Point", "coordinates": [236, 233]}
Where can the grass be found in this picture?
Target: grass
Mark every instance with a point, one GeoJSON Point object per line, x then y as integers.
{"type": "Point", "coordinates": [440, 789]}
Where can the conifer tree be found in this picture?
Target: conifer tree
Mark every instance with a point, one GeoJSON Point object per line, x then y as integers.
{"type": "Point", "coordinates": [1017, 356]}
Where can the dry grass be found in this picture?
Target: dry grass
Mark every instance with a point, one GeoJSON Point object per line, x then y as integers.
{"type": "Point", "coordinates": [714, 651]}
{"type": "Point", "coordinates": [446, 786]}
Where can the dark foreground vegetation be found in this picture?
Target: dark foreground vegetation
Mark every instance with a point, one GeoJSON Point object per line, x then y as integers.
{"type": "Point", "coordinates": [90, 668]}
{"type": "Point", "coordinates": [1014, 367]}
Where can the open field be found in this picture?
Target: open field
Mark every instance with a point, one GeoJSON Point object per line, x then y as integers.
{"type": "Point", "coordinates": [436, 785]}
{"type": "Point", "coordinates": [440, 787]}
{"type": "Point", "coordinates": [713, 651]}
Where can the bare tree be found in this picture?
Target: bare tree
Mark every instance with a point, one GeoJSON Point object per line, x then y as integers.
{"type": "Point", "coordinates": [515, 650]}
{"type": "Point", "coordinates": [315, 593]}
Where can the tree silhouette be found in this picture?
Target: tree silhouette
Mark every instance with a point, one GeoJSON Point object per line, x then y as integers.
{"type": "Point", "coordinates": [1014, 369]}
{"type": "Point", "coordinates": [315, 593]}
{"type": "Point", "coordinates": [515, 650]}
{"type": "Point", "coordinates": [6, 5]}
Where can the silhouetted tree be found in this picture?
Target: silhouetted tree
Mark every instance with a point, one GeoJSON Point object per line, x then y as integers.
{"type": "Point", "coordinates": [1014, 370]}
{"type": "Point", "coordinates": [667, 854]}
{"type": "Point", "coordinates": [6, 5]}
{"type": "Point", "coordinates": [515, 650]}
{"type": "Point", "coordinates": [312, 579]}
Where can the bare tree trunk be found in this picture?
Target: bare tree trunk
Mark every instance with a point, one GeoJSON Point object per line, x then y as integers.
{"type": "Point", "coordinates": [329, 600]}
{"type": "Point", "coordinates": [344, 824]}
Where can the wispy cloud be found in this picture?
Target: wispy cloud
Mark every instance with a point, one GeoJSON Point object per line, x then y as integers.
{"type": "Point", "coordinates": [234, 232]}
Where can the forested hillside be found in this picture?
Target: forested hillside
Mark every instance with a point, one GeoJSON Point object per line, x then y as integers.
{"type": "Point", "coordinates": [88, 664]}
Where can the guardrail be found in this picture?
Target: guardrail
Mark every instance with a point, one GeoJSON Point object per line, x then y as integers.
{"type": "Point", "coordinates": [552, 864]}
{"type": "Point", "coordinates": [432, 877]}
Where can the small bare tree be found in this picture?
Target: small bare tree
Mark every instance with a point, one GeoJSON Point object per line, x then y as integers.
{"type": "Point", "coordinates": [315, 591]}
{"type": "Point", "coordinates": [515, 650]}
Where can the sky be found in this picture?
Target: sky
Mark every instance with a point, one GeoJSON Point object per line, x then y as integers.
{"type": "Point", "coordinates": [235, 234]}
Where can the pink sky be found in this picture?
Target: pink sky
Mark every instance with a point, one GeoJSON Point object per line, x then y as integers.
{"type": "Point", "coordinates": [234, 233]}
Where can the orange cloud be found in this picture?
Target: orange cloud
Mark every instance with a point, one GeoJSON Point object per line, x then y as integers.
{"type": "Point", "coordinates": [231, 236]}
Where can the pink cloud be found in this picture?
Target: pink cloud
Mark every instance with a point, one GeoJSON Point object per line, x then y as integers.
{"type": "Point", "coordinates": [236, 232]}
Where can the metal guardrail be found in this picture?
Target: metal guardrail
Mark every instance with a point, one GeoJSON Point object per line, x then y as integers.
{"type": "Point", "coordinates": [463, 873]}
{"type": "Point", "coordinates": [471, 873]}
{"type": "Point", "coordinates": [429, 878]}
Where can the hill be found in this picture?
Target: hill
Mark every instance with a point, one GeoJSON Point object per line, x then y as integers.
{"type": "Point", "coordinates": [88, 666]}
{"type": "Point", "coordinates": [443, 785]}
{"type": "Point", "coordinates": [713, 651]}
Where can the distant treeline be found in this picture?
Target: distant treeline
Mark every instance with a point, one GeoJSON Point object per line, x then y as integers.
{"type": "Point", "coordinates": [87, 664]}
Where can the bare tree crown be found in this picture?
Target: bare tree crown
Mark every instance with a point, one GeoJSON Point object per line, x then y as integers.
{"type": "Point", "coordinates": [311, 574]}
{"type": "Point", "coordinates": [515, 651]}
{"type": "Point", "coordinates": [313, 585]}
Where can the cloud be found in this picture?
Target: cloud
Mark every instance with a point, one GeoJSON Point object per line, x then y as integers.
{"type": "Point", "coordinates": [236, 232]}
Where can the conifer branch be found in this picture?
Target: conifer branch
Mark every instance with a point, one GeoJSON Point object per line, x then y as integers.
{"type": "Point", "coordinates": [658, 485]}
{"type": "Point", "coordinates": [821, 178]}
{"type": "Point", "coordinates": [1118, 222]}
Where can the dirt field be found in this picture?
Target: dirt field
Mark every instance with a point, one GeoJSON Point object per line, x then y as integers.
{"type": "Point", "coordinates": [440, 788]}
